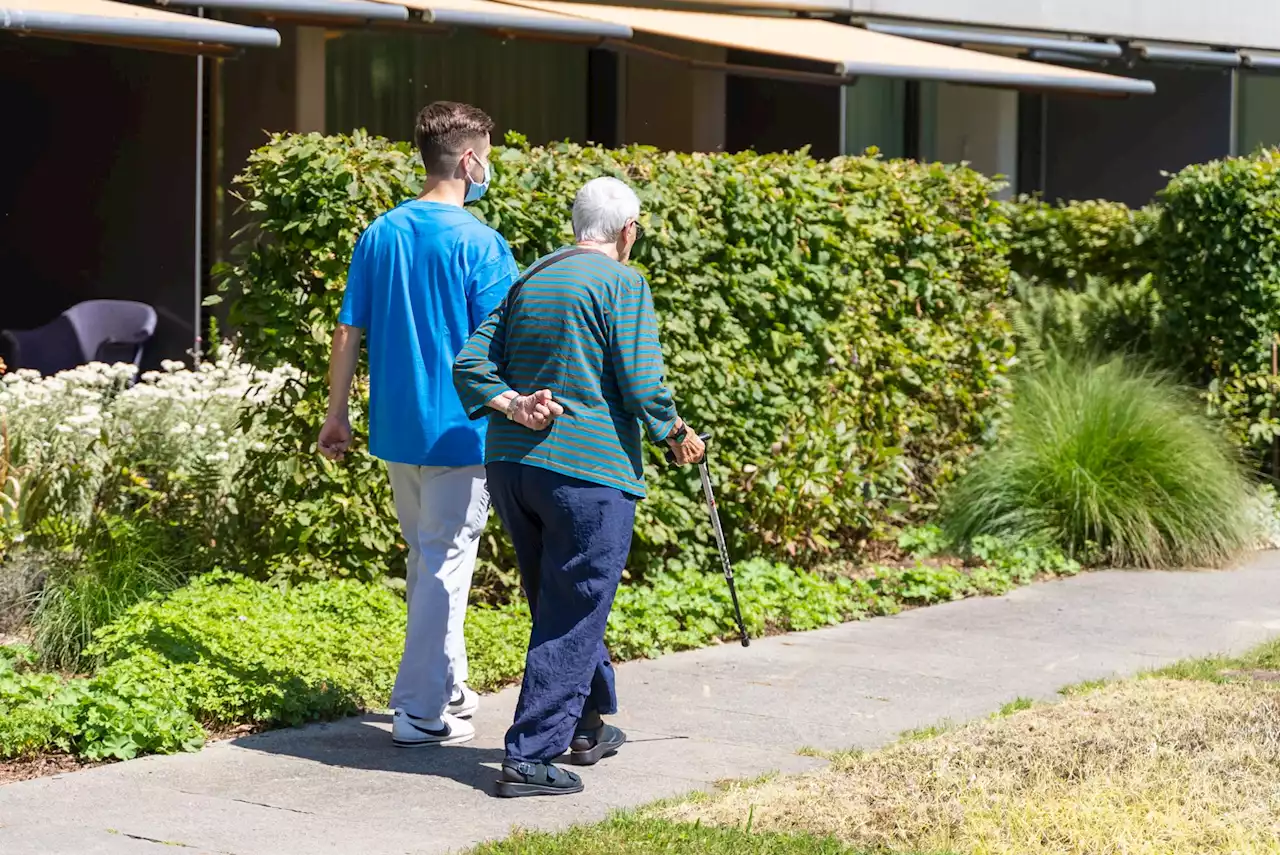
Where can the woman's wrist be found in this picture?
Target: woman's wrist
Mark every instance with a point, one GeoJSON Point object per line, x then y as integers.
{"type": "Point", "coordinates": [504, 403]}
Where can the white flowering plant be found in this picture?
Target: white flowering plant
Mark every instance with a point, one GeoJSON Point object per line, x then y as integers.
{"type": "Point", "coordinates": [91, 442]}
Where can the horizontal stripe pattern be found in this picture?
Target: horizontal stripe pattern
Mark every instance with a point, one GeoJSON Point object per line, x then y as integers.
{"type": "Point", "coordinates": [584, 327]}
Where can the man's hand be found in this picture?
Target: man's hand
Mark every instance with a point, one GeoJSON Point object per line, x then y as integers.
{"type": "Point", "coordinates": [335, 434]}
{"type": "Point", "coordinates": [689, 450]}
{"type": "Point", "coordinates": [536, 411]}
{"type": "Point", "coordinates": [335, 437]}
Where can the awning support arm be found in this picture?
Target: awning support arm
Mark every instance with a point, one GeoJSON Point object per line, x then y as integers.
{"type": "Point", "coordinates": [736, 69]}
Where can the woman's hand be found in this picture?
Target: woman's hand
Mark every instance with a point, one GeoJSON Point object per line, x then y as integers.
{"type": "Point", "coordinates": [536, 411]}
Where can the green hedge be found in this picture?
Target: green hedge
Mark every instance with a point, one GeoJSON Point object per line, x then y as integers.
{"type": "Point", "coordinates": [1211, 307]}
{"type": "Point", "coordinates": [835, 324]}
{"type": "Point", "coordinates": [1219, 272]}
{"type": "Point", "coordinates": [227, 650]}
{"type": "Point", "coordinates": [1065, 245]}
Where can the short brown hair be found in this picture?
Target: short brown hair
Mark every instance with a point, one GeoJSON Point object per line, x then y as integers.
{"type": "Point", "coordinates": [445, 130]}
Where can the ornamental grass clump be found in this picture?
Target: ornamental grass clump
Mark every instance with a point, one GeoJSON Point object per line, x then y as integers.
{"type": "Point", "coordinates": [1115, 464]}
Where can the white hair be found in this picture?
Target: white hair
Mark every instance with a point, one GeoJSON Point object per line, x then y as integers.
{"type": "Point", "coordinates": [602, 209]}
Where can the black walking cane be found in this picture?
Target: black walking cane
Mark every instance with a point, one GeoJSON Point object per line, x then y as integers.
{"type": "Point", "coordinates": [705, 472]}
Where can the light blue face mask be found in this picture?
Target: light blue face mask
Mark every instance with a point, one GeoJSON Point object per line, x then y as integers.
{"type": "Point", "coordinates": [476, 189]}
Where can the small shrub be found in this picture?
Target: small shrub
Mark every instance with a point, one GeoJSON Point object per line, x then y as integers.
{"type": "Point", "coordinates": [1249, 405]}
{"type": "Point", "coordinates": [84, 445]}
{"type": "Point", "coordinates": [1114, 464]}
{"type": "Point", "coordinates": [1101, 319]}
{"type": "Point", "coordinates": [1066, 245]}
{"type": "Point", "coordinates": [126, 562]}
{"type": "Point", "coordinates": [241, 651]}
{"type": "Point", "coordinates": [29, 722]}
{"type": "Point", "coordinates": [1218, 273]}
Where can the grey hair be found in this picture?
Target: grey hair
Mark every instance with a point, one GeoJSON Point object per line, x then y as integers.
{"type": "Point", "coordinates": [602, 209]}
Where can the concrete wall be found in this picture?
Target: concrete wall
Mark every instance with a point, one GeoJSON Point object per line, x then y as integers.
{"type": "Point", "coordinates": [669, 105]}
{"type": "Point", "coordinates": [978, 126]}
{"type": "Point", "coordinates": [1234, 23]}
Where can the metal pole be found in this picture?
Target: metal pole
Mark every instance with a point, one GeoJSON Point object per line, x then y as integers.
{"type": "Point", "coordinates": [844, 122]}
{"type": "Point", "coordinates": [1233, 128]}
{"type": "Point", "coordinates": [199, 212]}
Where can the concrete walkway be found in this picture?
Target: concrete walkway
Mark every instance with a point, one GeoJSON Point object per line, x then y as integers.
{"type": "Point", "coordinates": [694, 718]}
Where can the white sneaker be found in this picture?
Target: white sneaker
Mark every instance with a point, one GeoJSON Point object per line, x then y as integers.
{"type": "Point", "coordinates": [410, 732]}
{"type": "Point", "coordinates": [464, 704]}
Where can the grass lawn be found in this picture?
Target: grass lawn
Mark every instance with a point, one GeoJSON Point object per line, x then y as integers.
{"type": "Point", "coordinates": [629, 834]}
{"type": "Point", "coordinates": [1183, 761]}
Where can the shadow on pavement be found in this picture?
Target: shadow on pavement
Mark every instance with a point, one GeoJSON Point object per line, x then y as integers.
{"type": "Point", "coordinates": [358, 743]}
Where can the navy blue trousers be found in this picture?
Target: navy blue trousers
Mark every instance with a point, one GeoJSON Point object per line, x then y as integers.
{"type": "Point", "coordinates": [571, 539]}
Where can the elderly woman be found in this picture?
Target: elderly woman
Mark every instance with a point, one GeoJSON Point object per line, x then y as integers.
{"type": "Point", "coordinates": [576, 338]}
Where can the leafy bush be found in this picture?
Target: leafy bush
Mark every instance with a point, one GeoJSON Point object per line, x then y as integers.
{"type": "Point", "coordinates": [29, 721]}
{"type": "Point", "coordinates": [84, 446]}
{"type": "Point", "coordinates": [308, 199]}
{"type": "Point", "coordinates": [1066, 245]}
{"type": "Point", "coordinates": [1219, 266]}
{"type": "Point", "coordinates": [1099, 320]}
{"type": "Point", "coordinates": [1249, 404]}
{"type": "Point", "coordinates": [240, 651]}
{"type": "Point", "coordinates": [1210, 311]}
{"type": "Point", "coordinates": [1113, 464]}
{"type": "Point", "coordinates": [834, 323]}
{"type": "Point", "coordinates": [125, 486]}
{"type": "Point", "coordinates": [117, 714]}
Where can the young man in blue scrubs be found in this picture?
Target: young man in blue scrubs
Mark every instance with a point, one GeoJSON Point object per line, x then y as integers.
{"type": "Point", "coordinates": [422, 279]}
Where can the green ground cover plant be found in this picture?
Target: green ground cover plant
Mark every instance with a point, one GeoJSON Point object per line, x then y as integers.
{"type": "Point", "coordinates": [226, 650]}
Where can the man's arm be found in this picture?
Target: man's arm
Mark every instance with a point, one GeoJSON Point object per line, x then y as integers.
{"type": "Point", "coordinates": [353, 319]}
{"type": "Point", "coordinates": [489, 286]}
{"type": "Point", "coordinates": [335, 435]}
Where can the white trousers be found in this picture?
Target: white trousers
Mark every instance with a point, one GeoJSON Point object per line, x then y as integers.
{"type": "Point", "coordinates": [442, 513]}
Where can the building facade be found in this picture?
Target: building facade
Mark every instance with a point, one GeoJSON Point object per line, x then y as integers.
{"type": "Point", "coordinates": [122, 153]}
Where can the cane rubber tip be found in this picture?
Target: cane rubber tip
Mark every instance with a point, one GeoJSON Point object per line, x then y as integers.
{"type": "Point", "coordinates": [746, 642]}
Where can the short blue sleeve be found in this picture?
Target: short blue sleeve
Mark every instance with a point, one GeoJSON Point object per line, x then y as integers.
{"type": "Point", "coordinates": [489, 284]}
{"type": "Point", "coordinates": [356, 298]}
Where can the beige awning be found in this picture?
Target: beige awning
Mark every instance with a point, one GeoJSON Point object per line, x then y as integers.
{"type": "Point", "coordinates": [502, 17]}
{"type": "Point", "coordinates": [852, 51]}
{"type": "Point", "coordinates": [126, 25]}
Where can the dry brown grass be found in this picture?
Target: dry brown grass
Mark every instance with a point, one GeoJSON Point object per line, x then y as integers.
{"type": "Point", "coordinates": [1150, 766]}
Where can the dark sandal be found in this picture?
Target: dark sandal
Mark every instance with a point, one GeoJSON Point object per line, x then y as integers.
{"type": "Point", "coordinates": [536, 779]}
{"type": "Point", "coordinates": [589, 747]}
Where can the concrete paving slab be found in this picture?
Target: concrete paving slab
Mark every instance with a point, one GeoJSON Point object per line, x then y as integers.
{"type": "Point", "coordinates": [694, 718]}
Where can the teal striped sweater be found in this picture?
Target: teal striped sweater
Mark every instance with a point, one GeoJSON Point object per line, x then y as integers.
{"type": "Point", "coordinates": [585, 329]}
